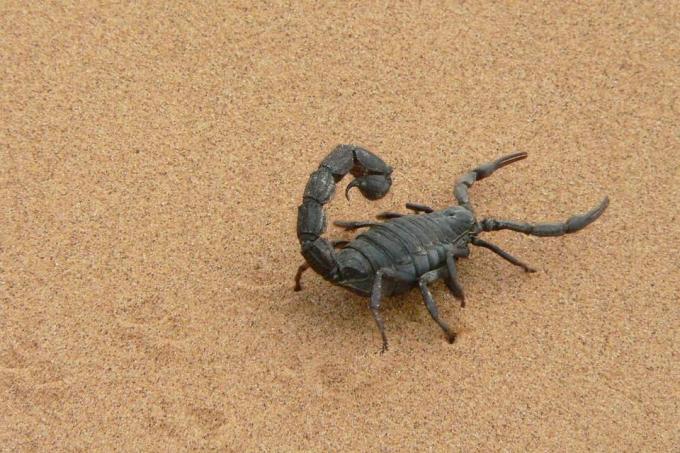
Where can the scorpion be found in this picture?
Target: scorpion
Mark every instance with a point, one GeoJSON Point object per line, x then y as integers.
{"type": "Point", "coordinates": [405, 250]}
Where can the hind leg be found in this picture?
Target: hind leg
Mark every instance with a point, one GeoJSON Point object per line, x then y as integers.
{"type": "Point", "coordinates": [460, 190]}
{"type": "Point", "coordinates": [424, 280]}
{"type": "Point", "coordinates": [298, 276]}
{"type": "Point", "coordinates": [415, 207]}
{"type": "Point", "coordinates": [353, 225]}
{"type": "Point", "coordinates": [386, 215]}
{"type": "Point", "coordinates": [338, 243]}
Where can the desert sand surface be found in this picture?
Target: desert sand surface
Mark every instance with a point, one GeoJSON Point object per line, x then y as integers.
{"type": "Point", "coordinates": [152, 158]}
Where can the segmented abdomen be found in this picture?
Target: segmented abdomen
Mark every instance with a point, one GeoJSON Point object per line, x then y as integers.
{"type": "Point", "coordinates": [414, 244]}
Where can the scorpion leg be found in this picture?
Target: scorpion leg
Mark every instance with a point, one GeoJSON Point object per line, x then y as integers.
{"type": "Point", "coordinates": [460, 190]}
{"type": "Point", "coordinates": [338, 243]}
{"type": "Point", "coordinates": [503, 254]}
{"type": "Point", "coordinates": [303, 267]}
{"type": "Point", "coordinates": [388, 215]}
{"type": "Point", "coordinates": [452, 280]}
{"type": "Point", "coordinates": [430, 277]}
{"type": "Point", "coordinates": [572, 225]}
{"type": "Point", "coordinates": [412, 206]}
{"type": "Point", "coordinates": [376, 297]}
{"type": "Point", "coordinates": [351, 226]}
{"type": "Point", "coordinates": [416, 207]}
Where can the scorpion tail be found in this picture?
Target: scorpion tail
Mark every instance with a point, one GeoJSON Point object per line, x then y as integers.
{"type": "Point", "coordinates": [372, 178]}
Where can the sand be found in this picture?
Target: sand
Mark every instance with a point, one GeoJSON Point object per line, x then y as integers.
{"type": "Point", "coordinates": [152, 160]}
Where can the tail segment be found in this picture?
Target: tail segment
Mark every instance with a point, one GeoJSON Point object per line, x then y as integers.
{"type": "Point", "coordinates": [372, 178]}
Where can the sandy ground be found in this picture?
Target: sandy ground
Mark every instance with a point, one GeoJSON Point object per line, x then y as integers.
{"type": "Point", "coordinates": [152, 160]}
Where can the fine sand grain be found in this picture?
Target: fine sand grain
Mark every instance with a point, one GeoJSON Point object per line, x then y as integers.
{"type": "Point", "coordinates": [152, 158]}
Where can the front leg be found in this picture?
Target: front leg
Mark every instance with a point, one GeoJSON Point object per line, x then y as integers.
{"type": "Point", "coordinates": [502, 253]}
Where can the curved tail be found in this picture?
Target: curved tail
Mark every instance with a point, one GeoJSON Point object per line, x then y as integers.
{"type": "Point", "coordinates": [372, 178]}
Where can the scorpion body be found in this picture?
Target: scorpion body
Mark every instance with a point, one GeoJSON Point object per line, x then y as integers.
{"type": "Point", "coordinates": [403, 251]}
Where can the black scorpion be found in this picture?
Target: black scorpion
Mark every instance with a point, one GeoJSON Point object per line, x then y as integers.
{"type": "Point", "coordinates": [393, 256]}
